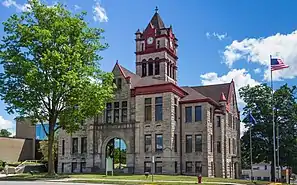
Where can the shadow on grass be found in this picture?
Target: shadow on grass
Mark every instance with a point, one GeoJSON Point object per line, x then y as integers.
{"type": "Point", "coordinates": [34, 177]}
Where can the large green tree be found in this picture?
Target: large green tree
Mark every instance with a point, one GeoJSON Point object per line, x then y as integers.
{"type": "Point", "coordinates": [4, 133]}
{"type": "Point", "coordinates": [259, 102]}
{"type": "Point", "coordinates": [51, 70]}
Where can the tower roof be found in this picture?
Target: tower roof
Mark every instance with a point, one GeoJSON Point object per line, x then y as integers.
{"type": "Point", "coordinates": [156, 21]}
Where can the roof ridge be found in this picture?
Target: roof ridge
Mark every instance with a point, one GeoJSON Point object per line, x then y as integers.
{"type": "Point", "coordinates": [211, 85]}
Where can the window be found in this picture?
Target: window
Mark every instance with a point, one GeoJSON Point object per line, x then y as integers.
{"type": "Point", "coordinates": [144, 69]}
{"type": "Point", "coordinates": [234, 123]}
{"type": "Point", "coordinates": [230, 120]}
{"type": "Point", "coordinates": [119, 84]}
{"type": "Point", "coordinates": [188, 114]}
{"type": "Point", "coordinates": [124, 111]}
{"type": "Point", "coordinates": [158, 109]}
{"type": "Point", "coordinates": [198, 143]}
{"type": "Point", "coordinates": [229, 144]}
{"type": "Point", "coordinates": [159, 142]}
{"type": "Point", "coordinates": [173, 72]}
{"type": "Point", "coordinates": [148, 143]}
{"type": "Point", "coordinates": [116, 114]}
{"type": "Point", "coordinates": [175, 167]}
{"type": "Point", "coordinates": [168, 69]}
{"type": "Point", "coordinates": [74, 145]}
{"type": "Point", "coordinates": [233, 146]}
{"type": "Point", "coordinates": [63, 147]}
{"type": "Point", "coordinates": [189, 167]}
{"type": "Point", "coordinates": [266, 178]}
{"type": "Point", "coordinates": [142, 46]}
{"type": "Point", "coordinates": [175, 142]}
{"type": "Point", "coordinates": [198, 167]}
{"type": "Point", "coordinates": [157, 68]}
{"type": "Point", "coordinates": [158, 168]}
{"type": "Point", "coordinates": [108, 113]}
{"type": "Point", "coordinates": [83, 167]}
{"type": "Point", "coordinates": [147, 167]}
{"type": "Point", "coordinates": [265, 168]}
{"type": "Point", "coordinates": [212, 169]}
{"type": "Point", "coordinates": [175, 109]}
{"type": "Point", "coordinates": [211, 114]}
{"type": "Point", "coordinates": [219, 149]}
{"type": "Point", "coordinates": [62, 168]}
{"type": "Point", "coordinates": [198, 113]}
{"type": "Point", "coordinates": [150, 68]}
{"type": "Point", "coordinates": [158, 44]}
{"type": "Point", "coordinates": [211, 143]}
{"type": "Point", "coordinates": [188, 143]}
{"type": "Point", "coordinates": [259, 178]}
{"type": "Point", "coordinates": [148, 109]}
{"type": "Point", "coordinates": [218, 121]}
{"type": "Point", "coordinates": [83, 145]}
{"type": "Point", "coordinates": [73, 167]}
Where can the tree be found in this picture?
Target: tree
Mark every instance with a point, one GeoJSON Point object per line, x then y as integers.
{"type": "Point", "coordinates": [4, 133]}
{"type": "Point", "coordinates": [51, 69]}
{"type": "Point", "coordinates": [258, 101]}
{"type": "Point", "coordinates": [44, 148]}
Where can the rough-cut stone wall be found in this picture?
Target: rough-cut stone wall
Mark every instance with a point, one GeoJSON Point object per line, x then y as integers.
{"type": "Point", "coordinates": [193, 129]}
{"type": "Point", "coordinates": [166, 127]}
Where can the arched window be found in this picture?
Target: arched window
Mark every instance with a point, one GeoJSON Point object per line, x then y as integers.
{"type": "Point", "coordinates": [157, 68]}
{"type": "Point", "coordinates": [143, 67]}
{"type": "Point", "coordinates": [150, 68]}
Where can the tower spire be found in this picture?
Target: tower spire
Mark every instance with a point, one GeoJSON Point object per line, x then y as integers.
{"type": "Point", "coordinates": [156, 9]}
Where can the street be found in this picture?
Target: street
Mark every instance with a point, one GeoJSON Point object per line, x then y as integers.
{"type": "Point", "coordinates": [41, 183]}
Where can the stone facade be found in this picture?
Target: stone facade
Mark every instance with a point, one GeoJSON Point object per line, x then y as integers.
{"type": "Point", "coordinates": [188, 130]}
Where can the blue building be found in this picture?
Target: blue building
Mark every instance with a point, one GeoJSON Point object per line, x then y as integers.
{"type": "Point", "coordinates": [40, 134]}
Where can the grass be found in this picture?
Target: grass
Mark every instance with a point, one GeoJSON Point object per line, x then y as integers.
{"type": "Point", "coordinates": [29, 177]}
{"type": "Point", "coordinates": [129, 179]}
{"type": "Point", "coordinates": [96, 177]}
{"type": "Point", "coordinates": [135, 183]}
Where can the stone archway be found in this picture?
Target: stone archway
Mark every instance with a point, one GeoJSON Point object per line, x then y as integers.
{"type": "Point", "coordinates": [129, 166]}
{"type": "Point", "coordinates": [116, 148]}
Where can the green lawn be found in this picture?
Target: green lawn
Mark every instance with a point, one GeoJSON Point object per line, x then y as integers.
{"type": "Point", "coordinates": [129, 179]}
{"type": "Point", "coordinates": [93, 177]}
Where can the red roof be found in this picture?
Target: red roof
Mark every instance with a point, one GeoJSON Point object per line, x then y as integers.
{"type": "Point", "coordinates": [211, 92]}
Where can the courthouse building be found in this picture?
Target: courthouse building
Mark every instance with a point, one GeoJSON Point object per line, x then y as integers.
{"type": "Point", "coordinates": [188, 129]}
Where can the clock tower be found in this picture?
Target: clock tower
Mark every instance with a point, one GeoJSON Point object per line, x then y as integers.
{"type": "Point", "coordinates": [156, 51]}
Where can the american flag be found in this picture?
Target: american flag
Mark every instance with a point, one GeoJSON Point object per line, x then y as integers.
{"type": "Point", "coordinates": [277, 64]}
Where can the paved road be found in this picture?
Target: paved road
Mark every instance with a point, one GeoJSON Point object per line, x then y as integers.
{"type": "Point", "coordinates": [41, 183]}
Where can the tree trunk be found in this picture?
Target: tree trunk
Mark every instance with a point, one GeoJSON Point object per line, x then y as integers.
{"type": "Point", "coordinates": [51, 157]}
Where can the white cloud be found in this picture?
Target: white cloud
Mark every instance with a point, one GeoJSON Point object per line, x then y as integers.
{"type": "Point", "coordinates": [257, 70]}
{"type": "Point", "coordinates": [76, 7]}
{"type": "Point", "coordinates": [258, 50]}
{"type": "Point", "coordinates": [6, 124]}
{"type": "Point", "coordinates": [216, 35]}
{"type": "Point", "coordinates": [99, 13]}
{"type": "Point", "coordinates": [241, 78]}
{"type": "Point", "coordinates": [20, 7]}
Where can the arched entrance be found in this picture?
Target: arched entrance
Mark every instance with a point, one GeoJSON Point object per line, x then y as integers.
{"type": "Point", "coordinates": [116, 148]}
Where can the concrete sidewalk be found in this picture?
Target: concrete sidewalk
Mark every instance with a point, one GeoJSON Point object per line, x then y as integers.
{"type": "Point", "coordinates": [148, 181]}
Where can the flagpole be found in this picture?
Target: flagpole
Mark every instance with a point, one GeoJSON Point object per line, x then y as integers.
{"type": "Point", "coordinates": [278, 165]}
{"type": "Point", "coordinates": [251, 152]}
{"type": "Point", "coordinates": [273, 124]}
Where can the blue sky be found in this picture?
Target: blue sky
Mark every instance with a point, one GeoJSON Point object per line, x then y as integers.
{"type": "Point", "coordinates": [218, 40]}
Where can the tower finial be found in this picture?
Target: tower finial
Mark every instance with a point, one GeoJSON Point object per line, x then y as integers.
{"type": "Point", "coordinates": [156, 10]}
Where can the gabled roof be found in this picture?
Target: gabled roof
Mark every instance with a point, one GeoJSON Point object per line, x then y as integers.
{"type": "Point", "coordinates": [137, 81]}
{"type": "Point", "coordinates": [214, 91]}
{"type": "Point", "coordinates": [211, 93]}
{"type": "Point", "coordinates": [156, 22]}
